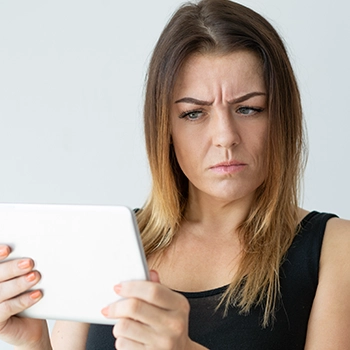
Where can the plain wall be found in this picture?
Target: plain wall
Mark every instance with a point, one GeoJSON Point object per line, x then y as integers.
{"type": "Point", "coordinates": [71, 86]}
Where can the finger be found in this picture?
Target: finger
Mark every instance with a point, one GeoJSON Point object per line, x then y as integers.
{"type": "Point", "coordinates": [130, 329]}
{"type": "Point", "coordinates": [135, 309]}
{"type": "Point", "coordinates": [18, 285]}
{"type": "Point", "coordinates": [149, 314]}
{"type": "Point", "coordinates": [15, 268]}
{"type": "Point", "coordinates": [140, 334]}
{"type": "Point", "coordinates": [126, 344]}
{"type": "Point", "coordinates": [13, 306]}
{"type": "Point", "coordinates": [4, 251]}
{"type": "Point", "coordinates": [151, 292]}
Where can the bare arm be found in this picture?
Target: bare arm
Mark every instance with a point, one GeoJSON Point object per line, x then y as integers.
{"type": "Point", "coordinates": [329, 322]}
{"type": "Point", "coordinates": [69, 335]}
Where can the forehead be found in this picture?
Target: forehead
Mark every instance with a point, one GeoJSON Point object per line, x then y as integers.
{"type": "Point", "coordinates": [234, 73]}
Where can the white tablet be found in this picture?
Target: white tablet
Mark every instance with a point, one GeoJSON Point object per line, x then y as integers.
{"type": "Point", "coordinates": [81, 252]}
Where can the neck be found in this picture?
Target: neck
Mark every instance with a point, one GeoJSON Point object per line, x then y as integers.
{"type": "Point", "coordinates": [215, 215]}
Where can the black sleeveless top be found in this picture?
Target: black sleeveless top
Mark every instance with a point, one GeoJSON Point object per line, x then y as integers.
{"type": "Point", "coordinates": [298, 277]}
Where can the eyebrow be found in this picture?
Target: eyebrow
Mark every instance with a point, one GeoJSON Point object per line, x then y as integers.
{"type": "Point", "coordinates": [195, 101]}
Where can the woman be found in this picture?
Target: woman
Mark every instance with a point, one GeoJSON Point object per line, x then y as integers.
{"type": "Point", "coordinates": [236, 264]}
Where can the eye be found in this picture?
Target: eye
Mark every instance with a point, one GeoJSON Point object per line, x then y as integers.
{"type": "Point", "coordinates": [192, 115]}
{"type": "Point", "coordinates": [249, 111]}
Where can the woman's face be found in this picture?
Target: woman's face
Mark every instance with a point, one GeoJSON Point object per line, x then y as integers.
{"type": "Point", "coordinates": [219, 124]}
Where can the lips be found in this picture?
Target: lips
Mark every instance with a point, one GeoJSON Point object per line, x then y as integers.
{"type": "Point", "coordinates": [228, 164]}
{"type": "Point", "coordinates": [228, 167]}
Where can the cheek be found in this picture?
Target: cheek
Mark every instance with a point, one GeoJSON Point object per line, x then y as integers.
{"type": "Point", "coordinates": [186, 143]}
{"type": "Point", "coordinates": [261, 152]}
{"type": "Point", "coordinates": [183, 153]}
{"type": "Point", "coordinates": [261, 136]}
{"type": "Point", "coordinates": [256, 144]}
{"type": "Point", "coordinates": [188, 156]}
{"type": "Point", "coordinates": [261, 146]}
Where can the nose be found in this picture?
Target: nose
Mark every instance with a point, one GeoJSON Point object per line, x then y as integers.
{"type": "Point", "coordinates": [225, 130]}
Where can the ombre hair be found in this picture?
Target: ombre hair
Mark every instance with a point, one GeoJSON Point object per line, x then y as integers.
{"type": "Point", "coordinates": [223, 27]}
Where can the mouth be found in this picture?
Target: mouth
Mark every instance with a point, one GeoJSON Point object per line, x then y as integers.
{"type": "Point", "coordinates": [228, 164]}
{"type": "Point", "coordinates": [228, 167]}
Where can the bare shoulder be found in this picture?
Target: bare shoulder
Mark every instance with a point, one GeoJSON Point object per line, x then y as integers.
{"type": "Point", "coordinates": [338, 227]}
{"type": "Point", "coordinates": [336, 245]}
{"type": "Point", "coordinates": [329, 321]}
{"type": "Point", "coordinates": [68, 335]}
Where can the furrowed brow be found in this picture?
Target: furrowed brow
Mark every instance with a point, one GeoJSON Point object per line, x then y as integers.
{"type": "Point", "coordinates": [247, 97]}
{"type": "Point", "coordinates": [194, 101]}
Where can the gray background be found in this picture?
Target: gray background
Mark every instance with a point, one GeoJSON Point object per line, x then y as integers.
{"type": "Point", "coordinates": [71, 87]}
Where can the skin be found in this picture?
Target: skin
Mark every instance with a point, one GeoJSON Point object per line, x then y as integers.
{"type": "Point", "coordinates": [225, 128]}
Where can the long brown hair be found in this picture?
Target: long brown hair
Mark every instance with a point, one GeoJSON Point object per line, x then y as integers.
{"type": "Point", "coordinates": [222, 26]}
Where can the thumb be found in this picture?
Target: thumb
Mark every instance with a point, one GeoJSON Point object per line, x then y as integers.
{"type": "Point", "coordinates": [153, 276]}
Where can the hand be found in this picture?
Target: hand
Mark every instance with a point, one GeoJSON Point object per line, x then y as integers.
{"type": "Point", "coordinates": [16, 277]}
{"type": "Point", "coordinates": [150, 317]}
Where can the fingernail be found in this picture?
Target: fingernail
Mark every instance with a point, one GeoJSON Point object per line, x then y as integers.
{"type": "Point", "coordinates": [23, 264]}
{"type": "Point", "coordinates": [35, 295]}
{"type": "Point", "coordinates": [104, 311]}
{"type": "Point", "coordinates": [3, 251]}
{"type": "Point", "coordinates": [30, 277]}
{"type": "Point", "coordinates": [118, 288]}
